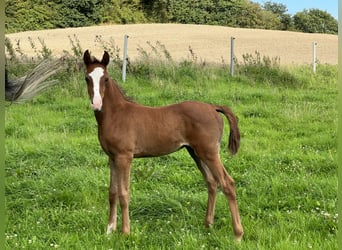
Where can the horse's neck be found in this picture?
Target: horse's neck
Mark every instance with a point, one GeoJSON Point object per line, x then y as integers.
{"type": "Point", "coordinates": [112, 100]}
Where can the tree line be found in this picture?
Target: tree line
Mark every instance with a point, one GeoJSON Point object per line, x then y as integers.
{"type": "Point", "coordinates": [22, 15]}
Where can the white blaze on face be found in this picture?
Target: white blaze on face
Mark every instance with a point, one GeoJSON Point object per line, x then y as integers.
{"type": "Point", "coordinates": [96, 75]}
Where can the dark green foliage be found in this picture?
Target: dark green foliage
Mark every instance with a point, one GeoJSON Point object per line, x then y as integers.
{"type": "Point", "coordinates": [30, 15]}
{"type": "Point", "coordinates": [158, 9]}
{"type": "Point", "coordinates": [234, 13]}
{"type": "Point", "coordinates": [315, 21]}
{"type": "Point", "coordinates": [280, 11]}
{"type": "Point", "coordinates": [33, 15]}
{"type": "Point", "coordinates": [76, 13]}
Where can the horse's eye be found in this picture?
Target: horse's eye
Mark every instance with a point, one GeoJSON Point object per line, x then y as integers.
{"type": "Point", "coordinates": [106, 80]}
{"type": "Point", "coordinates": [87, 79]}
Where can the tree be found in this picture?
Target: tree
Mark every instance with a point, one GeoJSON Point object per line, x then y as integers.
{"type": "Point", "coordinates": [24, 15]}
{"type": "Point", "coordinates": [315, 21]}
{"type": "Point", "coordinates": [280, 11]}
{"type": "Point", "coordinates": [234, 13]}
{"type": "Point", "coordinates": [156, 10]}
{"type": "Point", "coordinates": [76, 13]}
{"type": "Point", "coordinates": [124, 11]}
{"type": "Point", "coordinates": [29, 15]}
{"type": "Point", "coordinates": [276, 8]}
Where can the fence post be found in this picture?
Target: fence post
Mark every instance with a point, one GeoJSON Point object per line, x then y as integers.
{"type": "Point", "coordinates": [232, 56]}
{"type": "Point", "coordinates": [124, 63]}
{"type": "Point", "coordinates": [314, 59]}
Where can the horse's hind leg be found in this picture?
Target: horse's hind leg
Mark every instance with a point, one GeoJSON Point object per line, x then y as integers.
{"type": "Point", "coordinates": [227, 184]}
{"type": "Point", "coordinates": [211, 184]}
{"type": "Point", "coordinates": [228, 188]}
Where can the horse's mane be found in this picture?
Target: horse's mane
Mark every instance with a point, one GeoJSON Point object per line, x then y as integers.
{"type": "Point", "coordinates": [95, 60]}
{"type": "Point", "coordinates": [122, 92]}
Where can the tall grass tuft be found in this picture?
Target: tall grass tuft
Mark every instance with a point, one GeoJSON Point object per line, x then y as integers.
{"type": "Point", "coordinates": [265, 70]}
{"type": "Point", "coordinates": [44, 52]}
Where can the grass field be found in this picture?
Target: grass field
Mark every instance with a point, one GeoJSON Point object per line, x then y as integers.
{"type": "Point", "coordinates": [285, 172]}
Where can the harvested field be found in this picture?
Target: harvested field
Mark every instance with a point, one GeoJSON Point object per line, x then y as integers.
{"type": "Point", "coordinates": [209, 43]}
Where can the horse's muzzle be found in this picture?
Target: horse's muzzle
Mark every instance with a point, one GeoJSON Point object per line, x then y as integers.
{"type": "Point", "coordinates": [96, 104]}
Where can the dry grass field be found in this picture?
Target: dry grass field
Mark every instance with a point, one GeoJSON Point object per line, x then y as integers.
{"type": "Point", "coordinates": [209, 43]}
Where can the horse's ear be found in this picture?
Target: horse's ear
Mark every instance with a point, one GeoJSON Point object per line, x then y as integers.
{"type": "Point", "coordinates": [105, 58]}
{"type": "Point", "coordinates": [86, 57]}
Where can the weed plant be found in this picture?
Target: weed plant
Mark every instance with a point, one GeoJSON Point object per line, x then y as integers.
{"type": "Point", "coordinates": [57, 176]}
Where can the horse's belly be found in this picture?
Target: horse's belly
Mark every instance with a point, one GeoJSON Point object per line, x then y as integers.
{"type": "Point", "coordinates": [154, 149]}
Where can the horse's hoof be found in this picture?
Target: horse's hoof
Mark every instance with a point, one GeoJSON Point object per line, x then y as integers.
{"type": "Point", "coordinates": [110, 228]}
{"type": "Point", "coordinates": [238, 238]}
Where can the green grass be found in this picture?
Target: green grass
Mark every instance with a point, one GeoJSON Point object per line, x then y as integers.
{"type": "Point", "coordinates": [285, 172]}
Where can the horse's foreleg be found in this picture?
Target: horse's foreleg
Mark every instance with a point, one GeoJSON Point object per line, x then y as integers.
{"type": "Point", "coordinates": [113, 198]}
{"type": "Point", "coordinates": [123, 164]}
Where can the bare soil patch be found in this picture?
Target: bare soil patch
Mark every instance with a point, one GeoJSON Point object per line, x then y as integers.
{"type": "Point", "coordinates": [209, 43]}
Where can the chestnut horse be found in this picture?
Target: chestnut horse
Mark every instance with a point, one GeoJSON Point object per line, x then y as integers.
{"type": "Point", "coordinates": [127, 130]}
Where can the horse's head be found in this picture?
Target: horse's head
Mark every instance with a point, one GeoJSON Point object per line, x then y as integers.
{"type": "Point", "coordinates": [97, 78]}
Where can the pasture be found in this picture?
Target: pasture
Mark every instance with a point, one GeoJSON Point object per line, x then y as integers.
{"type": "Point", "coordinates": [57, 176]}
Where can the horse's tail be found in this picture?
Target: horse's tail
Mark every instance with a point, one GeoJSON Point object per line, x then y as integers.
{"type": "Point", "coordinates": [234, 135]}
{"type": "Point", "coordinates": [28, 86]}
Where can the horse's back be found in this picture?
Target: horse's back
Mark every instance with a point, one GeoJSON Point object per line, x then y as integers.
{"type": "Point", "coordinates": [202, 123]}
{"type": "Point", "coordinates": [200, 114]}
{"type": "Point", "coordinates": [166, 129]}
